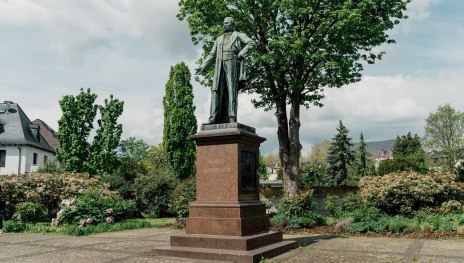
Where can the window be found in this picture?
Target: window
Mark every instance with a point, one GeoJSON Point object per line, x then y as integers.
{"type": "Point", "coordinates": [34, 160]}
{"type": "Point", "coordinates": [2, 158]}
{"type": "Point", "coordinates": [45, 159]}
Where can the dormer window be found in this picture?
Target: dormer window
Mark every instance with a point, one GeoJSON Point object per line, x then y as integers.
{"type": "Point", "coordinates": [35, 131]}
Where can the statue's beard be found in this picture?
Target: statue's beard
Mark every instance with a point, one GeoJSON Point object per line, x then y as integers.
{"type": "Point", "coordinates": [227, 30]}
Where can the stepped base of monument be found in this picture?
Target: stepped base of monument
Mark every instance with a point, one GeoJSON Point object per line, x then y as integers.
{"type": "Point", "coordinates": [229, 248]}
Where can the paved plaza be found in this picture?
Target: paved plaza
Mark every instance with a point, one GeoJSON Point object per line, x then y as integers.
{"type": "Point", "coordinates": [135, 246]}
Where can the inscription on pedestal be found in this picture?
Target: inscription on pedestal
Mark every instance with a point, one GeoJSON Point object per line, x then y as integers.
{"type": "Point", "coordinates": [216, 166]}
{"type": "Point", "coordinates": [248, 171]}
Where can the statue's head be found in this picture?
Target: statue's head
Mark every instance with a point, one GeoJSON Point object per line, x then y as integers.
{"type": "Point", "coordinates": [229, 24]}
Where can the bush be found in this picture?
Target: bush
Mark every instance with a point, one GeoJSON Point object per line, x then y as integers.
{"type": "Point", "coordinates": [28, 212]}
{"type": "Point", "coordinates": [46, 189]}
{"type": "Point", "coordinates": [153, 194]}
{"type": "Point", "coordinates": [14, 226]}
{"type": "Point", "coordinates": [118, 183]}
{"type": "Point", "coordinates": [295, 212]}
{"type": "Point", "coordinates": [95, 207]}
{"type": "Point", "coordinates": [406, 192]}
{"type": "Point", "coordinates": [367, 219]}
{"type": "Point", "coordinates": [183, 194]}
{"type": "Point", "coordinates": [296, 206]}
{"type": "Point", "coordinates": [400, 224]}
{"type": "Point", "coordinates": [340, 206]}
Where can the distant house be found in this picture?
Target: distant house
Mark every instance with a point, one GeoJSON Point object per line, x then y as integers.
{"type": "Point", "coordinates": [381, 150]}
{"type": "Point", "coordinates": [22, 147]}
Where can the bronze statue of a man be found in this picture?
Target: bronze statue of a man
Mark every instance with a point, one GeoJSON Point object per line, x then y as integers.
{"type": "Point", "coordinates": [228, 52]}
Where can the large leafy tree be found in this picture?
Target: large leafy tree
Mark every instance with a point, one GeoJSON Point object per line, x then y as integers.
{"type": "Point", "coordinates": [103, 158]}
{"type": "Point", "coordinates": [74, 128]}
{"type": "Point", "coordinates": [303, 46]}
{"type": "Point", "coordinates": [444, 133]}
{"type": "Point", "coordinates": [339, 158]}
{"type": "Point", "coordinates": [179, 121]}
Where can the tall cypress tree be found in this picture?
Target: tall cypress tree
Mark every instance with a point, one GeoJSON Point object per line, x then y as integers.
{"type": "Point", "coordinates": [179, 121]}
{"type": "Point", "coordinates": [338, 158]}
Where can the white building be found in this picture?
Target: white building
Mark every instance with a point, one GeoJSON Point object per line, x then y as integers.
{"type": "Point", "coordinates": [22, 148]}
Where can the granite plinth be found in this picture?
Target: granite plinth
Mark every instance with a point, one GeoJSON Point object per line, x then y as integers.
{"type": "Point", "coordinates": [242, 256]}
{"type": "Point", "coordinates": [232, 219]}
{"type": "Point", "coordinates": [227, 221]}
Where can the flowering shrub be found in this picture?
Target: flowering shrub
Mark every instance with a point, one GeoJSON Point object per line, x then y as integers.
{"type": "Point", "coordinates": [406, 192]}
{"type": "Point", "coordinates": [94, 207]}
{"type": "Point", "coordinates": [45, 189]}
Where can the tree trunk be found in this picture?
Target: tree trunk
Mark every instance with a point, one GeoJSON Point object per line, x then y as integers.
{"type": "Point", "coordinates": [289, 145]}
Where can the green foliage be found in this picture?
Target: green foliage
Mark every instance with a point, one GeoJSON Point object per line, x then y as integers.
{"type": "Point", "coordinates": [73, 229]}
{"type": "Point", "coordinates": [444, 133]}
{"type": "Point", "coordinates": [295, 212]}
{"type": "Point", "coordinates": [133, 148]}
{"type": "Point", "coordinates": [74, 128]}
{"type": "Point", "coordinates": [179, 121]}
{"type": "Point", "coordinates": [302, 47]}
{"type": "Point", "coordinates": [46, 189]}
{"type": "Point", "coordinates": [183, 194]}
{"type": "Point", "coordinates": [367, 219]}
{"type": "Point", "coordinates": [153, 194]}
{"type": "Point", "coordinates": [338, 158]}
{"type": "Point", "coordinates": [408, 154]}
{"type": "Point", "coordinates": [341, 206]}
{"type": "Point", "coordinates": [406, 192]}
{"type": "Point", "coordinates": [361, 165]}
{"type": "Point", "coordinates": [103, 158]}
{"type": "Point", "coordinates": [14, 226]}
{"type": "Point", "coordinates": [312, 176]}
{"type": "Point", "coordinates": [262, 168]}
{"type": "Point", "coordinates": [50, 168]}
{"type": "Point", "coordinates": [94, 207]}
{"type": "Point", "coordinates": [29, 212]}
{"type": "Point", "coordinates": [118, 183]}
{"type": "Point", "coordinates": [153, 189]}
{"type": "Point", "coordinates": [387, 166]}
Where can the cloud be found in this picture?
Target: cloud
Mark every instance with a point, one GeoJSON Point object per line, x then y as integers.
{"type": "Point", "coordinates": [420, 9]}
{"type": "Point", "coordinates": [77, 28]}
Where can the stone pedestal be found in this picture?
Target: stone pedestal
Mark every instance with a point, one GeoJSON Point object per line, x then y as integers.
{"type": "Point", "coordinates": [227, 221]}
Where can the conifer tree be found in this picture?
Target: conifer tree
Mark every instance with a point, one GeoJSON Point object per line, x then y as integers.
{"type": "Point", "coordinates": [74, 128]}
{"type": "Point", "coordinates": [338, 158]}
{"type": "Point", "coordinates": [104, 159]}
{"type": "Point", "coordinates": [362, 165]}
{"type": "Point", "coordinates": [179, 121]}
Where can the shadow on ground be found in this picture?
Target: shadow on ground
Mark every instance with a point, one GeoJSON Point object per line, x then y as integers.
{"type": "Point", "coordinates": [308, 240]}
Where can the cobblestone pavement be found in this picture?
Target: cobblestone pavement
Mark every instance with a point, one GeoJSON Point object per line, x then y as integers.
{"type": "Point", "coordinates": [135, 245]}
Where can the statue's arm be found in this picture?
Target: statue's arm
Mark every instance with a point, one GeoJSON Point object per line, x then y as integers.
{"type": "Point", "coordinates": [209, 60]}
{"type": "Point", "coordinates": [249, 45]}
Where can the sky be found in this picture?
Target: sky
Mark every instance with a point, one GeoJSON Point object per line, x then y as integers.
{"type": "Point", "coordinates": [52, 48]}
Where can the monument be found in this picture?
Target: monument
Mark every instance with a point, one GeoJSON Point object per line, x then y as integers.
{"type": "Point", "coordinates": [227, 221]}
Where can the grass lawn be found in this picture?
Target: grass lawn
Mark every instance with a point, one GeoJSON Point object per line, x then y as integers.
{"type": "Point", "coordinates": [13, 226]}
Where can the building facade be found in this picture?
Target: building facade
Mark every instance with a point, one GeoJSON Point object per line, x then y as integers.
{"type": "Point", "coordinates": [22, 147]}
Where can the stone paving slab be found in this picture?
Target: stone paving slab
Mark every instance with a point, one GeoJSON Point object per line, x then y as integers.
{"type": "Point", "coordinates": [134, 246]}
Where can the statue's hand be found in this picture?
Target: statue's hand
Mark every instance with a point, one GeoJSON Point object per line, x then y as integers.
{"type": "Point", "coordinates": [198, 71]}
{"type": "Point", "coordinates": [240, 57]}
